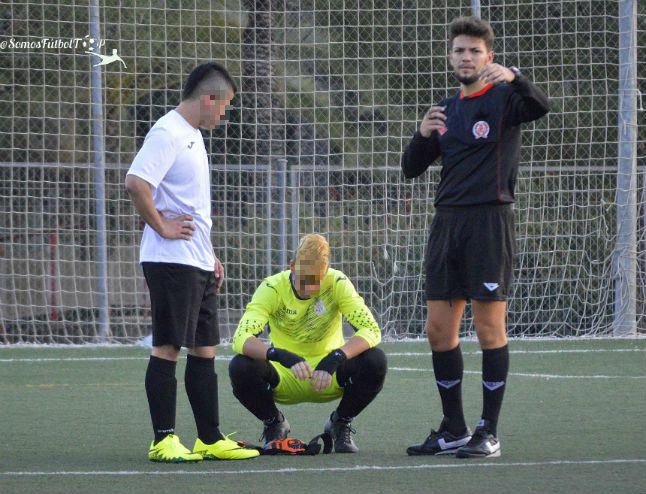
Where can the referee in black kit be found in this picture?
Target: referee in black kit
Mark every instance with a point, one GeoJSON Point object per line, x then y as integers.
{"type": "Point", "coordinates": [470, 248]}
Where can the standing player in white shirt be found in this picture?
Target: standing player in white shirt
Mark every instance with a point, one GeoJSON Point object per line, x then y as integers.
{"type": "Point", "coordinates": [169, 184]}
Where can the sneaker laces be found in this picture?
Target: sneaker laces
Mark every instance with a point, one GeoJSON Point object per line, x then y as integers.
{"type": "Point", "coordinates": [480, 433]}
{"type": "Point", "coordinates": [345, 432]}
{"type": "Point", "coordinates": [433, 434]}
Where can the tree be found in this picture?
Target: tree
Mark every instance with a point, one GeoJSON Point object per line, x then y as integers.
{"type": "Point", "coordinates": [262, 112]}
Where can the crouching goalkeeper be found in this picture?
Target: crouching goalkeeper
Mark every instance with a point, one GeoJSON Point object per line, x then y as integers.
{"type": "Point", "coordinates": [308, 359]}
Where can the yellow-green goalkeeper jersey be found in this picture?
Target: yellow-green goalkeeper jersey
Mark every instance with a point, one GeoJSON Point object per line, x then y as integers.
{"type": "Point", "coordinates": [307, 327]}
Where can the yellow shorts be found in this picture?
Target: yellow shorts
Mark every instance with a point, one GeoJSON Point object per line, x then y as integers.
{"type": "Point", "coordinates": [290, 390]}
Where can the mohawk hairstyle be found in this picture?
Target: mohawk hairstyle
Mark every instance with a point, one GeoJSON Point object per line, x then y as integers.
{"type": "Point", "coordinates": [206, 72]}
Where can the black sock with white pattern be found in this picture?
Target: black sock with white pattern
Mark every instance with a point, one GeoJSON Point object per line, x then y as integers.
{"type": "Point", "coordinates": [449, 368]}
{"type": "Point", "coordinates": [495, 367]}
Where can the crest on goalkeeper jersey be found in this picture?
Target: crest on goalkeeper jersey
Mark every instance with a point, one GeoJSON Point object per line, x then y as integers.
{"type": "Point", "coordinates": [320, 307]}
{"type": "Point", "coordinates": [480, 129]}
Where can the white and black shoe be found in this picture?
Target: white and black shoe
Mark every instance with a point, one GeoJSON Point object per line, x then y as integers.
{"type": "Point", "coordinates": [440, 442]}
{"type": "Point", "coordinates": [483, 444]}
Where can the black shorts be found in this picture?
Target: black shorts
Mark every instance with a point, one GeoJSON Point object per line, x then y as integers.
{"type": "Point", "coordinates": [470, 253]}
{"type": "Point", "coordinates": [183, 305]}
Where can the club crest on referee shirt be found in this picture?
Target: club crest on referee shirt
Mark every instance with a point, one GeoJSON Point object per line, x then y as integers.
{"type": "Point", "coordinates": [480, 129]}
{"type": "Point", "coordinates": [319, 308]}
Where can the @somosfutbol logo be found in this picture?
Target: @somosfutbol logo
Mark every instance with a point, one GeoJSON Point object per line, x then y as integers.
{"type": "Point", "coordinates": [480, 129]}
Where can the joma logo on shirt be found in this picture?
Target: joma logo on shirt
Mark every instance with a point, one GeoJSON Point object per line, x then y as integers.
{"type": "Point", "coordinates": [291, 312]}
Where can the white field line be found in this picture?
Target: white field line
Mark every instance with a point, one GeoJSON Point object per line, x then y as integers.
{"type": "Point", "coordinates": [85, 359]}
{"type": "Point", "coordinates": [532, 352]}
{"type": "Point", "coordinates": [526, 374]}
{"type": "Point", "coordinates": [389, 354]}
{"type": "Point", "coordinates": [357, 468]}
{"type": "Point", "coordinates": [226, 343]}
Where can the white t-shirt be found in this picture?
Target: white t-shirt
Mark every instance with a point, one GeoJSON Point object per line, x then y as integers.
{"type": "Point", "coordinates": [174, 162]}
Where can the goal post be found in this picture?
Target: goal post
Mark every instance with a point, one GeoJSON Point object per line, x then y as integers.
{"type": "Point", "coordinates": [330, 94]}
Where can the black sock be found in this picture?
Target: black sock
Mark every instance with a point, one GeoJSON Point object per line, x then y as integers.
{"type": "Point", "coordinates": [353, 402]}
{"type": "Point", "coordinates": [495, 367]}
{"type": "Point", "coordinates": [253, 382]}
{"type": "Point", "coordinates": [202, 389]}
{"type": "Point", "coordinates": [362, 379]}
{"type": "Point", "coordinates": [449, 368]}
{"type": "Point", "coordinates": [161, 389]}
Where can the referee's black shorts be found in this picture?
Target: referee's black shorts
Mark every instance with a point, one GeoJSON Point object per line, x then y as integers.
{"type": "Point", "coordinates": [470, 253]}
{"type": "Point", "coordinates": [183, 305]}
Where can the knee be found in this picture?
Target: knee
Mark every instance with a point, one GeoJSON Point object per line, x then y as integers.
{"type": "Point", "coordinates": [166, 352]}
{"type": "Point", "coordinates": [440, 337]}
{"type": "Point", "coordinates": [241, 370]}
{"type": "Point", "coordinates": [248, 373]}
{"type": "Point", "coordinates": [376, 361]}
{"type": "Point", "coordinates": [493, 338]}
{"type": "Point", "coordinates": [373, 369]}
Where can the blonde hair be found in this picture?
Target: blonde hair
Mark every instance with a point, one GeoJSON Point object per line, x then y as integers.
{"type": "Point", "coordinates": [315, 249]}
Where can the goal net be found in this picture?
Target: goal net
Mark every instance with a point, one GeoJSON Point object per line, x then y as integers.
{"type": "Point", "coordinates": [330, 94]}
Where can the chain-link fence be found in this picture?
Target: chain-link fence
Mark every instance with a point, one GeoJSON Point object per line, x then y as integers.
{"type": "Point", "coordinates": [336, 88]}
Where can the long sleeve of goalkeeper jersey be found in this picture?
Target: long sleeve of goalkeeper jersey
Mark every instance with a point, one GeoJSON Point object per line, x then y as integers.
{"type": "Point", "coordinates": [256, 315]}
{"type": "Point", "coordinates": [356, 312]}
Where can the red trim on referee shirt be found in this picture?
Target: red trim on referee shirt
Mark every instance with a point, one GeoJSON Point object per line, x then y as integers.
{"type": "Point", "coordinates": [479, 93]}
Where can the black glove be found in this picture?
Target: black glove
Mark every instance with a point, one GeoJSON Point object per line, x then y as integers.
{"type": "Point", "coordinates": [331, 361]}
{"type": "Point", "coordinates": [283, 357]}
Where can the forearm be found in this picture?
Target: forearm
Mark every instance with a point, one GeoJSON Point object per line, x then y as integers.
{"type": "Point", "coordinates": [355, 346]}
{"type": "Point", "coordinates": [255, 348]}
{"type": "Point", "coordinates": [142, 198]}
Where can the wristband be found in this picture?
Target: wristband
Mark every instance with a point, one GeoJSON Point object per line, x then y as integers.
{"type": "Point", "coordinates": [283, 357]}
{"type": "Point", "coordinates": [332, 361]}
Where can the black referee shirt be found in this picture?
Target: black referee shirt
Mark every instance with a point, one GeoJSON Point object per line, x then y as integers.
{"type": "Point", "coordinates": [480, 147]}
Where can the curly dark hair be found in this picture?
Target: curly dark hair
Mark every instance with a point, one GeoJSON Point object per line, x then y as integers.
{"type": "Point", "coordinates": [471, 26]}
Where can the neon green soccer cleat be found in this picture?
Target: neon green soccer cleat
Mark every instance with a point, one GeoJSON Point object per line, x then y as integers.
{"type": "Point", "coordinates": [224, 449]}
{"type": "Point", "coordinates": [170, 450]}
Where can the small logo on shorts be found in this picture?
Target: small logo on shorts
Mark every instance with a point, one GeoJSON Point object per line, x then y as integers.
{"type": "Point", "coordinates": [491, 286]}
{"type": "Point", "coordinates": [191, 144]}
{"type": "Point", "coordinates": [480, 129]}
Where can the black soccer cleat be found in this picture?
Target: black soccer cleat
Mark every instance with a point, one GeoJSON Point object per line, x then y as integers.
{"type": "Point", "coordinates": [276, 429]}
{"type": "Point", "coordinates": [440, 442]}
{"type": "Point", "coordinates": [483, 444]}
{"type": "Point", "coordinates": [341, 433]}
